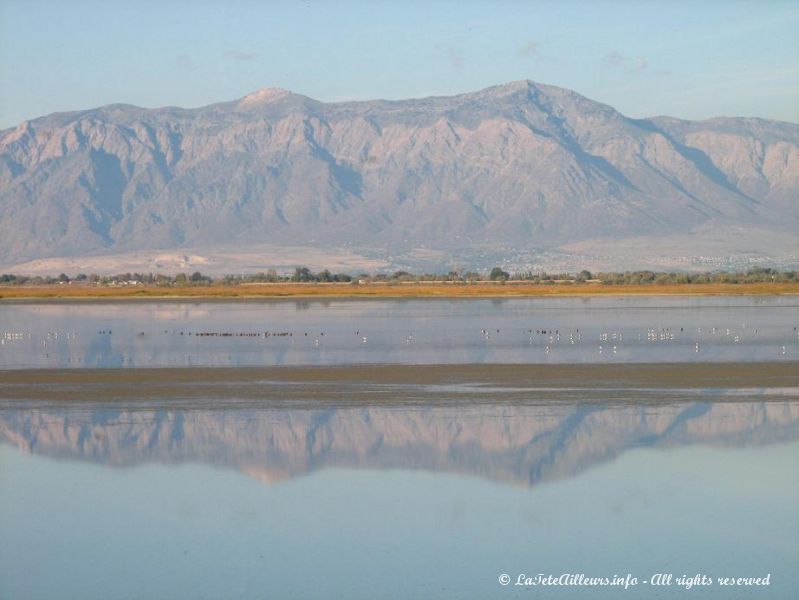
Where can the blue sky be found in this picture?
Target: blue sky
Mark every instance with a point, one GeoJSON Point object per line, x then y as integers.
{"type": "Point", "coordinates": [686, 59]}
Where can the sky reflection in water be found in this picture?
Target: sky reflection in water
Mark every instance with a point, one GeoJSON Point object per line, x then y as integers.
{"type": "Point", "coordinates": [402, 484]}
{"type": "Point", "coordinates": [394, 501]}
{"type": "Point", "coordinates": [564, 330]}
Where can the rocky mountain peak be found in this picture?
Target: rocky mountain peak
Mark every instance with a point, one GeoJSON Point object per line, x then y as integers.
{"type": "Point", "coordinates": [264, 96]}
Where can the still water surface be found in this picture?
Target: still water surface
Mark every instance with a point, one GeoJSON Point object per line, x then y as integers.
{"type": "Point", "coordinates": [248, 501]}
{"type": "Point", "coordinates": [565, 330]}
{"type": "Point", "coordinates": [276, 487]}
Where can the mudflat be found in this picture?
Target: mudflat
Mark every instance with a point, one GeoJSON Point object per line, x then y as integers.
{"type": "Point", "coordinates": [404, 384]}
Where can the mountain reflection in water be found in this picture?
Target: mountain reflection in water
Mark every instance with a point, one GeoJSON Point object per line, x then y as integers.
{"type": "Point", "coordinates": [281, 482]}
{"type": "Point", "coordinates": [517, 444]}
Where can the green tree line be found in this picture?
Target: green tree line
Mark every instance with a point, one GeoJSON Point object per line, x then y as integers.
{"type": "Point", "coordinates": [305, 275]}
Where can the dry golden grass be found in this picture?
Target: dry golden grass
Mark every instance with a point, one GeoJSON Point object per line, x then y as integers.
{"type": "Point", "coordinates": [392, 290]}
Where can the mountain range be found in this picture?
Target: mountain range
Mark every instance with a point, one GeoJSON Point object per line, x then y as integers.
{"type": "Point", "coordinates": [520, 173]}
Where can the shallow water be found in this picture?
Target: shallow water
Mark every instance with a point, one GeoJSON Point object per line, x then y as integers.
{"type": "Point", "coordinates": [289, 332]}
{"type": "Point", "coordinates": [465, 456]}
{"type": "Point", "coordinates": [246, 498]}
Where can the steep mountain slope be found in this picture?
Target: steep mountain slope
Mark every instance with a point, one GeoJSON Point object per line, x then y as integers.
{"type": "Point", "coordinates": [518, 165]}
{"type": "Point", "coordinates": [758, 158]}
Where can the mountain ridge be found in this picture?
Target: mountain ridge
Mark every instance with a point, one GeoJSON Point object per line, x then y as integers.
{"type": "Point", "coordinates": [521, 165]}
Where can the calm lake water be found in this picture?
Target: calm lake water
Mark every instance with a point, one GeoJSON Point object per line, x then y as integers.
{"type": "Point", "coordinates": [567, 330]}
{"type": "Point", "coordinates": [277, 487]}
{"type": "Point", "coordinates": [232, 500]}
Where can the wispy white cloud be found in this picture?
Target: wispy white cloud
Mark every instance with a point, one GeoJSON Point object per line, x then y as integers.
{"type": "Point", "coordinates": [635, 64]}
{"type": "Point", "coordinates": [529, 50]}
{"type": "Point", "coordinates": [239, 55]}
{"type": "Point", "coordinates": [455, 58]}
{"type": "Point", "coordinates": [184, 62]}
{"type": "Point", "coordinates": [614, 58]}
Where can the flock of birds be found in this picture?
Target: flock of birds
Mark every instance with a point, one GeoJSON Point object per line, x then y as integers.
{"type": "Point", "coordinates": [605, 342]}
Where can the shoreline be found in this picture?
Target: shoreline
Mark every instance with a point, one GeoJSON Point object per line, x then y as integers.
{"type": "Point", "coordinates": [414, 290]}
{"type": "Point", "coordinates": [632, 382]}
